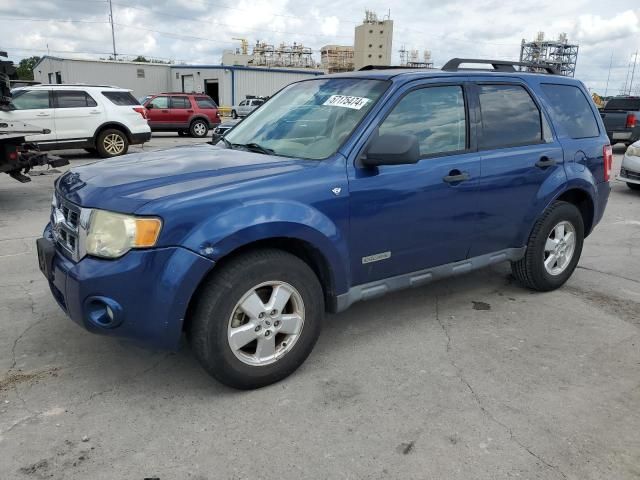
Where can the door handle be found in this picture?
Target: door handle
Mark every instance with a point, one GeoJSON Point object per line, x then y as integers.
{"type": "Point", "coordinates": [456, 176]}
{"type": "Point", "coordinates": [545, 162]}
{"type": "Point", "coordinates": [42, 114]}
{"type": "Point", "coordinates": [165, 111]}
{"type": "Point", "coordinates": [189, 111]}
{"type": "Point", "coordinates": [94, 112]}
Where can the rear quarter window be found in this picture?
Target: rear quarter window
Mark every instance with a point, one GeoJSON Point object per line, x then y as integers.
{"type": "Point", "coordinates": [570, 110]}
{"type": "Point", "coordinates": [206, 103]}
{"type": "Point", "coordinates": [122, 99]}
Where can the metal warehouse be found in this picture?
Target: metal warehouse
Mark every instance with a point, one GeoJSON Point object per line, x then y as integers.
{"type": "Point", "coordinates": [227, 85]}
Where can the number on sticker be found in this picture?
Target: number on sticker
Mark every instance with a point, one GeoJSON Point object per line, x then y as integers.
{"type": "Point", "coordinates": [346, 101]}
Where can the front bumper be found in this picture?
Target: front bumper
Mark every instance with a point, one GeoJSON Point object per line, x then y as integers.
{"type": "Point", "coordinates": [629, 170]}
{"type": "Point", "coordinates": [147, 291]}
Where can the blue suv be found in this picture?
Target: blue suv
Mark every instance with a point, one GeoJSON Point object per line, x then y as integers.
{"type": "Point", "coordinates": [338, 189]}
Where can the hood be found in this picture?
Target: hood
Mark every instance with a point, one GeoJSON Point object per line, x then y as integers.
{"type": "Point", "coordinates": [126, 183]}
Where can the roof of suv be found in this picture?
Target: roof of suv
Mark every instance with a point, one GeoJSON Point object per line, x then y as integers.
{"type": "Point", "coordinates": [386, 74]}
{"type": "Point", "coordinates": [73, 86]}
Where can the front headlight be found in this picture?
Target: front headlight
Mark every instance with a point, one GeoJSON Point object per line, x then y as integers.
{"type": "Point", "coordinates": [633, 151]}
{"type": "Point", "coordinates": [111, 235]}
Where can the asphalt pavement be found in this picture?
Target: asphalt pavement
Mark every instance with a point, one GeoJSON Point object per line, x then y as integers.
{"type": "Point", "coordinates": [469, 378]}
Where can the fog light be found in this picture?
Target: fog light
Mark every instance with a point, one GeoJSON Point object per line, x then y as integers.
{"type": "Point", "coordinates": [103, 312]}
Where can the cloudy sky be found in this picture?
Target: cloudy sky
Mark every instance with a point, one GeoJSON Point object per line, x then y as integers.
{"type": "Point", "coordinates": [197, 31]}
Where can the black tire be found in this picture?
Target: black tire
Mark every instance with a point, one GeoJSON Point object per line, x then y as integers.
{"type": "Point", "coordinates": [199, 128]}
{"type": "Point", "coordinates": [234, 114]}
{"type": "Point", "coordinates": [633, 186]}
{"type": "Point", "coordinates": [103, 145]}
{"type": "Point", "coordinates": [217, 301]}
{"type": "Point", "coordinates": [530, 270]}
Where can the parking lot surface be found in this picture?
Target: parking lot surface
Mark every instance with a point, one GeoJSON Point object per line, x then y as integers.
{"type": "Point", "coordinates": [469, 378]}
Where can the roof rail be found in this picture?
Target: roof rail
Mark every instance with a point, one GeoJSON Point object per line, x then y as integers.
{"type": "Point", "coordinates": [453, 65]}
{"type": "Point", "coordinates": [383, 67]}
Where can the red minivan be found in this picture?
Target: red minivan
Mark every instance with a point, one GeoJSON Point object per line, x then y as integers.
{"type": "Point", "coordinates": [186, 113]}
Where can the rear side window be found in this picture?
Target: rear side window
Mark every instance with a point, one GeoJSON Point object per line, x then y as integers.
{"type": "Point", "coordinates": [180, 102]}
{"type": "Point", "coordinates": [626, 104]}
{"type": "Point", "coordinates": [509, 117]}
{"type": "Point", "coordinates": [570, 109]}
{"type": "Point", "coordinates": [435, 115]}
{"type": "Point", "coordinates": [74, 99]}
{"type": "Point", "coordinates": [30, 99]}
{"type": "Point", "coordinates": [205, 102]}
{"type": "Point", "coordinates": [122, 99]}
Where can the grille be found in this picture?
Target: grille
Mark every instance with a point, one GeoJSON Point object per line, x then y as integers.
{"type": "Point", "coordinates": [65, 222]}
{"type": "Point", "coordinates": [629, 174]}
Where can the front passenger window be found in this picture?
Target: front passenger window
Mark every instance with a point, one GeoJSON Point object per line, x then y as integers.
{"type": "Point", "coordinates": [30, 100]}
{"type": "Point", "coordinates": [436, 115]}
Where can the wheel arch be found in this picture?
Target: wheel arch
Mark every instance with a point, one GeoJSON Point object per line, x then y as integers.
{"type": "Point", "coordinates": [583, 202]}
{"type": "Point", "coordinates": [115, 125]}
{"type": "Point", "coordinates": [301, 249]}
{"type": "Point", "coordinates": [202, 117]}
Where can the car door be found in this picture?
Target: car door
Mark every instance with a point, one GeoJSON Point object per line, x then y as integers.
{"type": "Point", "coordinates": [180, 111]}
{"type": "Point", "coordinates": [405, 218]}
{"type": "Point", "coordinates": [33, 107]}
{"type": "Point", "coordinates": [77, 115]}
{"type": "Point", "coordinates": [518, 155]}
{"type": "Point", "coordinates": [243, 108]}
{"type": "Point", "coordinates": [158, 111]}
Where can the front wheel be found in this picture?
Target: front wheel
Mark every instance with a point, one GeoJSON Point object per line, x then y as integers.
{"type": "Point", "coordinates": [257, 319]}
{"type": "Point", "coordinates": [234, 114]}
{"type": "Point", "coordinates": [633, 186]}
{"type": "Point", "coordinates": [553, 250]}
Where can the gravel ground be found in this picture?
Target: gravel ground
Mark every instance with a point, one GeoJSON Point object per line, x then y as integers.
{"type": "Point", "coordinates": [470, 378]}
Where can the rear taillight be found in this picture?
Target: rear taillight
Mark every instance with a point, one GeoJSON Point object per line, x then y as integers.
{"type": "Point", "coordinates": [13, 155]}
{"type": "Point", "coordinates": [631, 120]}
{"type": "Point", "coordinates": [607, 154]}
{"type": "Point", "coordinates": [142, 111]}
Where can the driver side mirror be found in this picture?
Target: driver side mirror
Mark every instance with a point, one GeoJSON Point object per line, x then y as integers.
{"type": "Point", "coordinates": [150, 106]}
{"type": "Point", "coordinates": [392, 149]}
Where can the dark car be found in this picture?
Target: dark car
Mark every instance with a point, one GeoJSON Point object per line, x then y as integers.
{"type": "Point", "coordinates": [340, 188]}
{"type": "Point", "coordinates": [187, 114]}
{"type": "Point", "coordinates": [222, 129]}
{"type": "Point", "coordinates": [621, 117]}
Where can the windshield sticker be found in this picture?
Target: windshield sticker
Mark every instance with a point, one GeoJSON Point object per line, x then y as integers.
{"type": "Point", "coordinates": [356, 103]}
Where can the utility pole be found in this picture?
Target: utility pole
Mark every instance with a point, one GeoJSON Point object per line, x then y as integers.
{"type": "Point", "coordinates": [113, 34]}
{"type": "Point", "coordinates": [609, 75]}
{"type": "Point", "coordinates": [635, 61]}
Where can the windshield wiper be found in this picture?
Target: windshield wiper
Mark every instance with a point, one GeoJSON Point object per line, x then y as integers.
{"type": "Point", "coordinates": [253, 147]}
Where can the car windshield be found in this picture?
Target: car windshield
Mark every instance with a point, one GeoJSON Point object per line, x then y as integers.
{"type": "Point", "coordinates": [309, 119]}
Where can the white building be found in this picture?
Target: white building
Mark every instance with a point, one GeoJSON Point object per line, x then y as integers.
{"type": "Point", "coordinates": [226, 84]}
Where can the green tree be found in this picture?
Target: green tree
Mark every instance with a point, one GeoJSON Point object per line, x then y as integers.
{"type": "Point", "coordinates": [25, 68]}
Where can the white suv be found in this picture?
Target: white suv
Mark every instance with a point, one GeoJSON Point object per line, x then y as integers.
{"type": "Point", "coordinates": [97, 118]}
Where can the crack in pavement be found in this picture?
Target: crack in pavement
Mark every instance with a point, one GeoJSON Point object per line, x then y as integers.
{"type": "Point", "coordinates": [128, 379]}
{"type": "Point", "coordinates": [479, 403]}
{"type": "Point", "coordinates": [608, 273]}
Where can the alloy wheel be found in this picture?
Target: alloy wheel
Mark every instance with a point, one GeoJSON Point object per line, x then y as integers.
{"type": "Point", "coordinates": [559, 248]}
{"type": "Point", "coordinates": [266, 323]}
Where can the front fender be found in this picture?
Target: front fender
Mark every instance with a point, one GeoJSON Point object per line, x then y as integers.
{"type": "Point", "coordinates": [254, 221]}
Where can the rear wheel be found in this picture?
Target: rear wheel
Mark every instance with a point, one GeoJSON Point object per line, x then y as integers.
{"type": "Point", "coordinates": [234, 114]}
{"type": "Point", "coordinates": [633, 186]}
{"type": "Point", "coordinates": [257, 319]}
{"type": "Point", "coordinates": [111, 143]}
{"type": "Point", "coordinates": [199, 128]}
{"type": "Point", "coordinates": [553, 250]}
